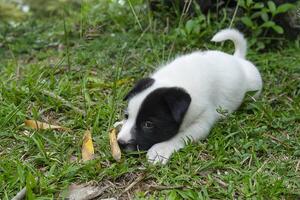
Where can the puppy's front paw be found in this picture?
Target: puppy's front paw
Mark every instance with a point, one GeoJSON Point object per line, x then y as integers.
{"type": "Point", "coordinates": [160, 153]}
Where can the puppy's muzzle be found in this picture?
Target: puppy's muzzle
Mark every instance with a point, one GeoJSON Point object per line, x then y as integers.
{"type": "Point", "coordinates": [127, 146]}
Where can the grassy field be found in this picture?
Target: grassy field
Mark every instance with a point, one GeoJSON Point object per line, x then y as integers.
{"type": "Point", "coordinates": [91, 58]}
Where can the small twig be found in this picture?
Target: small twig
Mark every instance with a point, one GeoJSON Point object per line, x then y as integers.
{"type": "Point", "coordinates": [222, 183]}
{"type": "Point", "coordinates": [67, 42]}
{"type": "Point", "coordinates": [136, 17]}
{"type": "Point", "coordinates": [188, 6]}
{"type": "Point", "coordinates": [235, 170]}
{"type": "Point", "coordinates": [141, 36]}
{"type": "Point", "coordinates": [250, 161]}
{"type": "Point", "coordinates": [139, 179]}
{"type": "Point", "coordinates": [65, 102]}
{"type": "Point", "coordinates": [185, 9]}
{"type": "Point", "coordinates": [170, 52]}
{"type": "Point", "coordinates": [277, 140]}
{"type": "Point", "coordinates": [163, 187]}
{"type": "Point", "coordinates": [277, 97]}
{"type": "Point", "coordinates": [20, 195]}
{"type": "Point", "coordinates": [261, 167]}
{"type": "Point", "coordinates": [297, 166]}
{"type": "Point", "coordinates": [234, 14]}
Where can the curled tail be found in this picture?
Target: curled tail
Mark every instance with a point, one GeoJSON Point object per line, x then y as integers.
{"type": "Point", "coordinates": [238, 39]}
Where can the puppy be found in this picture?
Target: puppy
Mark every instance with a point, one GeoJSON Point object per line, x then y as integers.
{"type": "Point", "coordinates": [180, 100]}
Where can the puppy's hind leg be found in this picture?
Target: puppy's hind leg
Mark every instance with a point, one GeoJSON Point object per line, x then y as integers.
{"type": "Point", "coordinates": [161, 152]}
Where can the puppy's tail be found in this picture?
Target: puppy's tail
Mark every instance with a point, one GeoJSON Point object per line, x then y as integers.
{"type": "Point", "coordinates": [238, 39]}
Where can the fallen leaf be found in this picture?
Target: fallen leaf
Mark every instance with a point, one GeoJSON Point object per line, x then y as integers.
{"type": "Point", "coordinates": [87, 146]}
{"type": "Point", "coordinates": [82, 192]}
{"type": "Point", "coordinates": [115, 149]}
{"type": "Point", "coordinates": [42, 125]}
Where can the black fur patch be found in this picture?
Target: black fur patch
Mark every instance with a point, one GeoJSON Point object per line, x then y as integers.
{"type": "Point", "coordinates": [160, 116]}
{"type": "Point", "coordinates": [139, 87]}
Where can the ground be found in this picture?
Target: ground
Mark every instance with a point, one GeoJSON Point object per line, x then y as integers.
{"type": "Point", "coordinates": [92, 63]}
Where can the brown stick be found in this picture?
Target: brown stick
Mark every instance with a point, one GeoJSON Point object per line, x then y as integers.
{"type": "Point", "coordinates": [136, 181]}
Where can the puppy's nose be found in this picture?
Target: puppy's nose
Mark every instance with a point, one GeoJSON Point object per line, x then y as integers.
{"type": "Point", "coordinates": [127, 146]}
{"type": "Point", "coordinates": [122, 144]}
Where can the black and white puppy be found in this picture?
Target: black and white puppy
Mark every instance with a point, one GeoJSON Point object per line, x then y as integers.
{"type": "Point", "coordinates": [180, 100]}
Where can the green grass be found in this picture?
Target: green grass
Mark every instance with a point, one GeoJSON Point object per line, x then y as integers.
{"type": "Point", "coordinates": [254, 153]}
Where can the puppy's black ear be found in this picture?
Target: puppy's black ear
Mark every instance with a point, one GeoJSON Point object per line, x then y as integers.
{"type": "Point", "coordinates": [178, 101]}
{"type": "Point", "coordinates": [139, 87]}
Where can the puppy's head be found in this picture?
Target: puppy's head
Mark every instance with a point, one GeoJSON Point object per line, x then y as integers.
{"type": "Point", "coordinates": [154, 114]}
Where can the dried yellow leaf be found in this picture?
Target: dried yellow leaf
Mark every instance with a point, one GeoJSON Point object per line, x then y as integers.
{"type": "Point", "coordinates": [115, 149]}
{"type": "Point", "coordinates": [87, 149]}
{"type": "Point", "coordinates": [42, 125]}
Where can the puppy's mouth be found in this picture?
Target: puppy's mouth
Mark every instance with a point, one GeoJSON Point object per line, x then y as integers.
{"type": "Point", "coordinates": [129, 146]}
{"type": "Point", "coordinates": [133, 148]}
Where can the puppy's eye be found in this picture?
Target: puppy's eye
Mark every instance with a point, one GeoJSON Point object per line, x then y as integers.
{"type": "Point", "coordinates": [148, 124]}
{"type": "Point", "coordinates": [126, 115]}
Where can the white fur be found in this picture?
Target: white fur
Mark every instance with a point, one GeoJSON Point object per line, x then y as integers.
{"type": "Point", "coordinates": [213, 79]}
